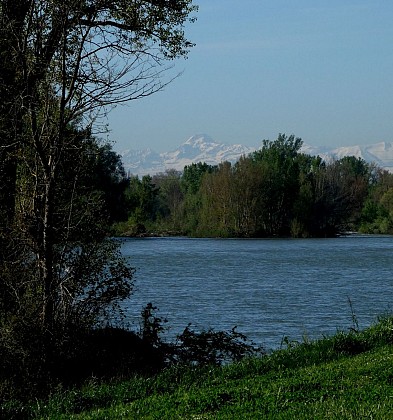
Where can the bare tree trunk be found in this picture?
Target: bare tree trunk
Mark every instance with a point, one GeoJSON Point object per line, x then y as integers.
{"type": "Point", "coordinates": [46, 258]}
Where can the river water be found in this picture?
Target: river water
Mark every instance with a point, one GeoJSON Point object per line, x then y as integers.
{"type": "Point", "coordinates": [268, 288]}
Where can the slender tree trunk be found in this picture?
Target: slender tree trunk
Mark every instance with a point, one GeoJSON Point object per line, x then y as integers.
{"type": "Point", "coordinates": [47, 256]}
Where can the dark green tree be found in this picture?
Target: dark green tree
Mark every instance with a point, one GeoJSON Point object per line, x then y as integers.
{"type": "Point", "coordinates": [376, 214]}
{"type": "Point", "coordinates": [216, 216]}
{"type": "Point", "coordinates": [74, 58]}
{"type": "Point", "coordinates": [340, 190]}
{"type": "Point", "coordinates": [305, 216]}
{"type": "Point", "coordinates": [193, 174]}
{"type": "Point", "coordinates": [142, 205]}
{"type": "Point", "coordinates": [248, 183]}
{"type": "Point", "coordinates": [278, 163]}
{"type": "Point", "coordinates": [191, 182]}
{"type": "Point", "coordinates": [170, 199]}
{"type": "Point", "coordinates": [67, 63]}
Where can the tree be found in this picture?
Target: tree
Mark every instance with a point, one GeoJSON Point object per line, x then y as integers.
{"type": "Point", "coordinates": [191, 182]}
{"type": "Point", "coordinates": [248, 182]}
{"type": "Point", "coordinates": [305, 216]}
{"type": "Point", "coordinates": [340, 190]}
{"type": "Point", "coordinates": [193, 174]}
{"type": "Point", "coordinates": [376, 214]}
{"type": "Point", "coordinates": [217, 205]}
{"type": "Point", "coordinates": [108, 176]}
{"type": "Point", "coordinates": [68, 62]}
{"type": "Point", "coordinates": [170, 198]}
{"type": "Point", "coordinates": [278, 162]}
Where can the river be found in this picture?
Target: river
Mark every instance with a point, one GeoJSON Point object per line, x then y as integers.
{"type": "Point", "coordinates": [268, 288]}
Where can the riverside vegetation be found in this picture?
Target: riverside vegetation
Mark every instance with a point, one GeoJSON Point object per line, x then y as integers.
{"type": "Point", "coordinates": [346, 376]}
{"type": "Point", "coordinates": [275, 191]}
{"type": "Point", "coordinates": [62, 279]}
{"type": "Point", "coordinates": [63, 65]}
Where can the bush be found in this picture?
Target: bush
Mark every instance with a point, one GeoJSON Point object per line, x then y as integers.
{"type": "Point", "coordinates": [213, 347]}
{"type": "Point", "coordinates": [196, 348]}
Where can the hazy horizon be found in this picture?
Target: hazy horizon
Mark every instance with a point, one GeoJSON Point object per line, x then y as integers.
{"type": "Point", "coordinates": [314, 69]}
{"type": "Point", "coordinates": [174, 147]}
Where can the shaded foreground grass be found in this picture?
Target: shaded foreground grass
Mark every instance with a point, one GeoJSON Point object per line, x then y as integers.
{"type": "Point", "coordinates": [347, 376]}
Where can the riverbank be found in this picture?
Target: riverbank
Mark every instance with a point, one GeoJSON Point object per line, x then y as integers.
{"type": "Point", "coordinates": [346, 376]}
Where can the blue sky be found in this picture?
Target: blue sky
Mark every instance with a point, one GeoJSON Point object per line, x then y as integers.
{"type": "Point", "coordinates": [322, 70]}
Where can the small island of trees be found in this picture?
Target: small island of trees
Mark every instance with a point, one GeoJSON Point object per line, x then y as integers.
{"type": "Point", "coordinates": [275, 191]}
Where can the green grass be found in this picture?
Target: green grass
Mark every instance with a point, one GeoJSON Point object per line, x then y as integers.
{"type": "Point", "coordinates": [347, 376]}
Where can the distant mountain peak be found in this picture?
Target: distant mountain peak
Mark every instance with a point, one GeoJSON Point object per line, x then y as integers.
{"type": "Point", "coordinates": [202, 148]}
{"type": "Point", "coordinates": [197, 148]}
{"type": "Point", "coordinates": [199, 139]}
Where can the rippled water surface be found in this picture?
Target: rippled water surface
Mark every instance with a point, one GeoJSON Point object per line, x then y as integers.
{"type": "Point", "coordinates": [267, 288]}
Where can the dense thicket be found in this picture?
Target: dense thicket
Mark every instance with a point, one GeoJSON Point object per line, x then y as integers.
{"type": "Point", "coordinates": [275, 191]}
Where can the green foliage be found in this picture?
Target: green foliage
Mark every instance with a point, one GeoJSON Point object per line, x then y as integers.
{"type": "Point", "coordinates": [141, 196]}
{"type": "Point", "coordinates": [170, 200]}
{"type": "Point", "coordinates": [212, 347]}
{"type": "Point", "coordinates": [152, 325]}
{"type": "Point", "coordinates": [193, 175]}
{"type": "Point", "coordinates": [60, 190]}
{"type": "Point", "coordinates": [377, 212]}
{"type": "Point", "coordinates": [195, 348]}
{"type": "Point", "coordinates": [275, 191]}
{"type": "Point", "coordinates": [319, 379]}
{"type": "Point", "coordinates": [109, 178]}
{"type": "Point", "coordinates": [91, 281]}
{"type": "Point", "coordinates": [280, 185]}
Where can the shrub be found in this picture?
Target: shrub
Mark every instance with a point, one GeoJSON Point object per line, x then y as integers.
{"type": "Point", "coordinates": [213, 347]}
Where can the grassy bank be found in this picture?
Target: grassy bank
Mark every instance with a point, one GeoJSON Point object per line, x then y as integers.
{"type": "Point", "coordinates": [347, 376]}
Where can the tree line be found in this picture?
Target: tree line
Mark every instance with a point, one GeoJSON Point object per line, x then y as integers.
{"type": "Point", "coordinates": [275, 191]}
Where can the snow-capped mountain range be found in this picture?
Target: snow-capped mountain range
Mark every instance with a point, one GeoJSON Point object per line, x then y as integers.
{"type": "Point", "coordinates": [202, 148]}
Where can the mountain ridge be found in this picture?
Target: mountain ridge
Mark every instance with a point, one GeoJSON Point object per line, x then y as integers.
{"type": "Point", "coordinates": [202, 148]}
